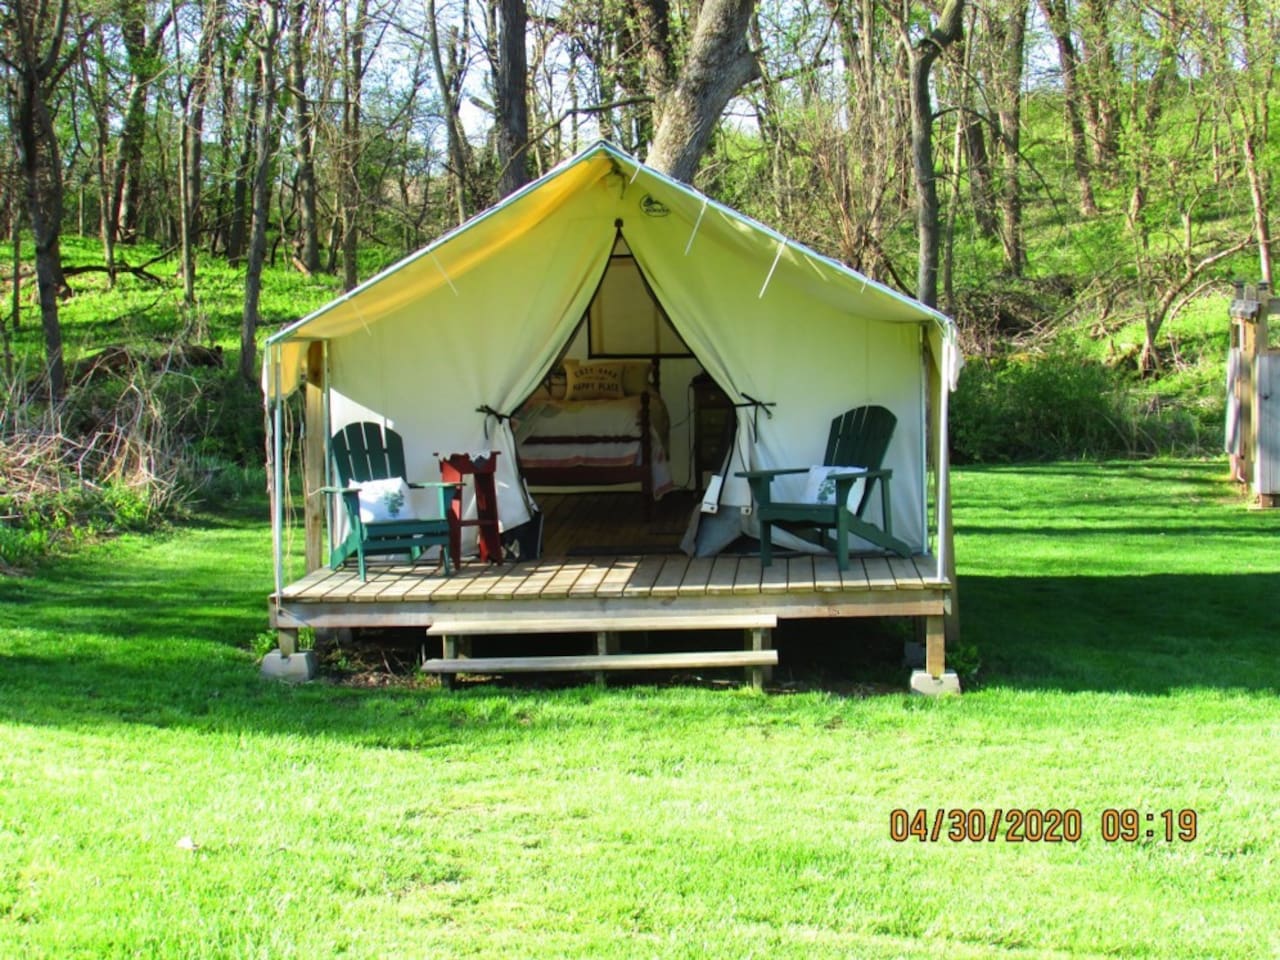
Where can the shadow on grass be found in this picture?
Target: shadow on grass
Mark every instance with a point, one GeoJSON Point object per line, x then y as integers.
{"type": "Point", "coordinates": [1142, 634]}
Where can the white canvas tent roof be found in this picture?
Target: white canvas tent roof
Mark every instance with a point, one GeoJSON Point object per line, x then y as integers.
{"type": "Point", "coordinates": [478, 318]}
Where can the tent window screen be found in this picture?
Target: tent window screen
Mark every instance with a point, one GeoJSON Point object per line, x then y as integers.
{"type": "Point", "coordinates": [625, 320]}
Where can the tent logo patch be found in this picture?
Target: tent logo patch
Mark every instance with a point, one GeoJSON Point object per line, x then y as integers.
{"type": "Point", "coordinates": [652, 207]}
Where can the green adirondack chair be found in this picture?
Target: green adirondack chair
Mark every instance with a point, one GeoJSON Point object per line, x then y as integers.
{"type": "Point", "coordinates": [859, 439]}
{"type": "Point", "coordinates": [367, 451]}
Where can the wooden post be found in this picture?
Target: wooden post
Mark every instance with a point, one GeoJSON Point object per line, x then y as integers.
{"type": "Point", "coordinates": [287, 640]}
{"type": "Point", "coordinates": [1266, 405]}
{"type": "Point", "coordinates": [313, 454]}
{"type": "Point", "coordinates": [1244, 387]}
{"type": "Point", "coordinates": [608, 642]}
{"type": "Point", "coordinates": [759, 638]}
{"type": "Point", "coordinates": [951, 620]}
{"type": "Point", "coordinates": [935, 647]}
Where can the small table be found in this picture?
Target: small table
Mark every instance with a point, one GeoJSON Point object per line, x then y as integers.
{"type": "Point", "coordinates": [453, 469]}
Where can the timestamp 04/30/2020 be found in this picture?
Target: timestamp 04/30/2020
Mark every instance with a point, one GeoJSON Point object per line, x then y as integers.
{"type": "Point", "coordinates": [1040, 825]}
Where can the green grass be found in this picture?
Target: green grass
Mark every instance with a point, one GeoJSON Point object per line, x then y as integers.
{"type": "Point", "coordinates": [1124, 615]}
{"type": "Point", "coordinates": [138, 311]}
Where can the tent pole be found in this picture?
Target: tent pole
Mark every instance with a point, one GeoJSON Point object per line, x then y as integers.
{"type": "Point", "coordinates": [328, 450]}
{"type": "Point", "coordinates": [944, 463]}
{"type": "Point", "coordinates": [277, 496]}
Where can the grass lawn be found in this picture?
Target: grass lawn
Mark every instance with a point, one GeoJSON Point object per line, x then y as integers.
{"type": "Point", "coordinates": [158, 799]}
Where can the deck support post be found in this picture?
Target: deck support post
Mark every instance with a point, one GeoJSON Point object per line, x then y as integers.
{"type": "Point", "coordinates": [935, 678]}
{"type": "Point", "coordinates": [759, 639]}
{"type": "Point", "coordinates": [453, 647]}
{"type": "Point", "coordinates": [608, 642]}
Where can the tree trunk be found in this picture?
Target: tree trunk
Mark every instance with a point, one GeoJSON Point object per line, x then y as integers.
{"type": "Point", "coordinates": [923, 54]}
{"type": "Point", "coordinates": [193, 138]}
{"type": "Point", "coordinates": [1100, 94]}
{"type": "Point", "coordinates": [511, 97]}
{"type": "Point", "coordinates": [1258, 194]}
{"type": "Point", "coordinates": [349, 155]}
{"type": "Point", "coordinates": [33, 53]}
{"type": "Point", "coordinates": [307, 245]}
{"type": "Point", "coordinates": [237, 216]}
{"type": "Point", "coordinates": [1009, 52]}
{"type": "Point", "coordinates": [449, 81]}
{"type": "Point", "coordinates": [15, 238]}
{"type": "Point", "coordinates": [657, 59]}
{"type": "Point", "coordinates": [145, 64]}
{"type": "Point", "coordinates": [1055, 12]}
{"type": "Point", "coordinates": [15, 313]}
{"type": "Point", "coordinates": [98, 96]}
{"type": "Point", "coordinates": [719, 63]}
{"type": "Point", "coordinates": [270, 34]}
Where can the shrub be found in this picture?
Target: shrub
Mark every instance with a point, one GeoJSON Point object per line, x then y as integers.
{"type": "Point", "coordinates": [1063, 405]}
{"type": "Point", "coordinates": [1037, 409]}
{"type": "Point", "coordinates": [123, 451]}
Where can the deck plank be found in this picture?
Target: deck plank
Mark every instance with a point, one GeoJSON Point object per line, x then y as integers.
{"type": "Point", "coordinates": [541, 575]}
{"type": "Point", "coordinates": [747, 580]}
{"type": "Point", "coordinates": [855, 578]}
{"type": "Point", "coordinates": [489, 577]}
{"type": "Point", "coordinates": [333, 586]}
{"type": "Point", "coordinates": [589, 580]}
{"type": "Point", "coordinates": [619, 575]}
{"type": "Point", "coordinates": [800, 574]}
{"type": "Point", "coordinates": [926, 568]}
{"type": "Point", "coordinates": [905, 574]}
{"type": "Point", "coordinates": [667, 583]}
{"type": "Point", "coordinates": [826, 574]}
{"type": "Point", "coordinates": [376, 582]}
{"type": "Point", "coordinates": [513, 576]}
{"type": "Point", "coordinates": [564, 579]}
{"type": "Point", "coordinates": [724, 573]}
{"type": "Point", "coordinates": [696, 576]}
{"type": "Point", "coordinates": [640, 582]}
{"type": "Point", "coordinates": [773, 578]}
{"type": "Point", "coordinates": [310, 582]}
{"type": "Point", "coordinates": [879, 575]}
{"type": "Point", "coordinates": [452, 587]}
{"type": "Point", "coordinates": [426, 585]}
{"type": "Point", "coordinates": [405, 580]}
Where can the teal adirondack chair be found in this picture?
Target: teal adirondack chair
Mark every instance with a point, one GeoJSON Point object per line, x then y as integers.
{"type": "Point", "coordinates": [859, 439]}
{"type": "Point", "coordinates": [367, 451]}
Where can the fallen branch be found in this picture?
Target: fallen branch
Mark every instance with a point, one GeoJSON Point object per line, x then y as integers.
{"type": "Point", "coordinates": [140, 272]}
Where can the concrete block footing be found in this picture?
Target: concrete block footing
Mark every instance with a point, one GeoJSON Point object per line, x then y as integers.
{"type": "Point", "coordinates": [924, 683]}
{"type": "Point", "coordinates": [298, 668]}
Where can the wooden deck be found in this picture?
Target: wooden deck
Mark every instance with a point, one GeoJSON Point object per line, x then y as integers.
{"type": "Point", "coordinates": [648, 585]}
{"type": "Point", "coordinates": [610, 568]}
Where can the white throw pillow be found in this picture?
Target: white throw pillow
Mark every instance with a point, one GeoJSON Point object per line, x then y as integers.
{"type": "Point", "coordinates": [384, 500]}
{"type": "Point", "coordinates": [821, 488]}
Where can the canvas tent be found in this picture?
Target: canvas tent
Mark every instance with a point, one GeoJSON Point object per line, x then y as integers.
{"type": "Point", "coordinates": [477, 319]}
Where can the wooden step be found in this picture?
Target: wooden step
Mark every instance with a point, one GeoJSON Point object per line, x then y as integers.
{"type": "Point", "coordinates": [594, 623]}
{"type": "Point", "coordinates": [613, 661]}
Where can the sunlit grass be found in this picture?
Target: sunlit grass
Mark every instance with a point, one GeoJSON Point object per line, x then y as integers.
{"type": "Point", "coordinates": [1124, 620]}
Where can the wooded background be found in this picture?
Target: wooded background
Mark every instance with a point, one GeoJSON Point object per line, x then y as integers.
{"type": "Point", "coordinates": [1112, 151]}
